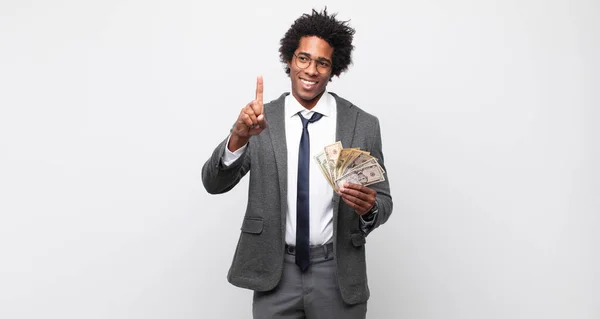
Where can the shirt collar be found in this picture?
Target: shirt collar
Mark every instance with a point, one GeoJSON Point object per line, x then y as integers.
{"type": "Point", "coordinates": [323, 106]}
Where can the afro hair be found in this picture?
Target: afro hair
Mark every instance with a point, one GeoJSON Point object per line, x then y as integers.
{"type": "Point", "coordinates": [337, 33]}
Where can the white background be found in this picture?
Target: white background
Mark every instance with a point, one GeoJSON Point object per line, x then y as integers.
{"type": "Point", "coordinates": [489, 115]}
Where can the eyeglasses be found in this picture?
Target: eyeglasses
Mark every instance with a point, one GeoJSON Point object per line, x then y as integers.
{"type": "Point", "coordinates": [303, 61]}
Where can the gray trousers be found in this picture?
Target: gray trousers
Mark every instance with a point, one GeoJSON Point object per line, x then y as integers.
{"type": "Point", "coordinates": [313, 294]}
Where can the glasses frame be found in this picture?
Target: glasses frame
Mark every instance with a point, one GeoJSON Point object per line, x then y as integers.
{"type": "Point", "coordinates": [310, 62]}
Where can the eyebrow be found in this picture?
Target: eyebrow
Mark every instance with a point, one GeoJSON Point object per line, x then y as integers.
{"type": "Point", "coordinates": [319, 58]}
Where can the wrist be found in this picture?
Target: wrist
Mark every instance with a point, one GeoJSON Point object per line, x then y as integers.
{"type": "Point", "coordinates": [236, 142]}
{"type": "Point", "coordinates": [370, 214]}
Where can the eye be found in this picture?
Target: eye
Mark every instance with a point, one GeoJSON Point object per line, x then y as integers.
{"type": "Point", "coordinates": [302, 58]}
{"type": "Point", "coordinates": [324, 64]}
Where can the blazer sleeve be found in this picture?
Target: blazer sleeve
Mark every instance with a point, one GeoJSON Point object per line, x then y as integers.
{"type": "Point", "coordinates": [384, 197]}
{"type": "Point", "coordinates": [218, 178]}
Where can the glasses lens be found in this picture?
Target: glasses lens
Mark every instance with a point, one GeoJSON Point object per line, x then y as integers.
{"type": "Point", "coordinates": [302, 61]}
{"type": "Point", "coordinates": [322, 66]}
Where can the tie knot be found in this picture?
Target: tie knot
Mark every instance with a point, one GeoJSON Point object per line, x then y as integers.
{"type": "Point", "coordinates": [315, 117]}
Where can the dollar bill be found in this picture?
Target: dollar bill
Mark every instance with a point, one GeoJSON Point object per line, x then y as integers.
{"type": "Point", "coordinates": [323, 164]}
{"type": "Point", "coordinates": [369, 162]}
{"type": "Point", "coordinates": [348, 162]}
{"type": "Point", "coordinates": [364, 175]}
{"type": "Point", "coordinates": [332, 152]}
{"type": "Point", "coordinates": [346, 154]}
{"type": "Point", "coordinates": [339, 165]}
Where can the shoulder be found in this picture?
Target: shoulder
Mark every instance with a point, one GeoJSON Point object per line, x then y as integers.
{"type": "Point", "coordinates": [277, 103]}
{"type": "Point", "coordinates": [344, 105]}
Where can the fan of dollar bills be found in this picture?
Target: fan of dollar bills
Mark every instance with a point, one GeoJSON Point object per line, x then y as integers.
{"type": "Point", "coordinates": [340, 165]}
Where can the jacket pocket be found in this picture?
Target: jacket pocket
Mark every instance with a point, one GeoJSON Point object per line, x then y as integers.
{"type": "Point", "coordinates": [252, 225]}
{"type": "Point", "coordinates": [358, 239]}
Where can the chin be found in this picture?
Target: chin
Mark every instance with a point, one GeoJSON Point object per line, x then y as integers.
{"type": "Point", "coordinates": [310, 96]}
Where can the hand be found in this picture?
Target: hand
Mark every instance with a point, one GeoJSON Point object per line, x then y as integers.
{"type": "Point", "coordinates": [359, 197]}
{"type": "Point", "coordinates": [251, 120]}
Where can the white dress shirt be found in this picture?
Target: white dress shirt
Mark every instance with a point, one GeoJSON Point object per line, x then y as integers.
{"type": "Point", "coordinates": [322, 133]}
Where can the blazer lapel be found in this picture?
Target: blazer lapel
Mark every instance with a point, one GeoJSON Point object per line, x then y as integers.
{"type": "Point", "coordinates": [344, 132]}
{"type": "Point", "coordinates": [275, 115]}
{"type": "Point", "coordinates": [346, 121]}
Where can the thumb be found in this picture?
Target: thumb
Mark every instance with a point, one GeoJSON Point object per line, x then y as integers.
{"type": "Point", "coordinates": [262, 121]}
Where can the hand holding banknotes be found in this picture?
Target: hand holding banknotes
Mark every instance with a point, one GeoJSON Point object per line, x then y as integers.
{"type": "Point", "coordinates": [349, 171]}
{"type": "Point", "coordinates": [357, 196]}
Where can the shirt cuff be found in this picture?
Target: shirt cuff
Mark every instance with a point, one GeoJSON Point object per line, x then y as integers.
{"type": "Point", "coordinates": [366, 224]}
{"type": "Point", "coordinates": [230, 157]}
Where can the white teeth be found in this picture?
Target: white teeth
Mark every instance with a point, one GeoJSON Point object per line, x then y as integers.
{"type": "Point", "coordinates": [307, 82]}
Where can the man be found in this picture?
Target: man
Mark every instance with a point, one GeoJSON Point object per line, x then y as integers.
{"type": "Point", "coordinates": [301, 249]}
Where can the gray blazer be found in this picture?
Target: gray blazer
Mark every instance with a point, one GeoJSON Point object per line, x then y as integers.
{"type": "Point", "coordinates": [258, 259]}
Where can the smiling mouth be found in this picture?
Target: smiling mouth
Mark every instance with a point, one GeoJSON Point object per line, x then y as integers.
{"type": "Point", "coordinates": [308, 82]}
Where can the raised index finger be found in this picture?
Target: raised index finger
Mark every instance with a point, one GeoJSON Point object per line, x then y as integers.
{"type": "Point", "coordinates": [259, 90]}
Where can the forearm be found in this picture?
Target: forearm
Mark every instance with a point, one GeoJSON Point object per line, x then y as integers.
{"type": "Point", "coordinates": [384, 209]}
{"type": "Point", "coordinates": [236, 142]}
{"type": "Point", "coordinates": [219, 178]}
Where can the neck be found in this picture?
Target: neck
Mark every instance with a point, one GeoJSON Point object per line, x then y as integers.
{"type": "Point", "coordinates": [309, 104]}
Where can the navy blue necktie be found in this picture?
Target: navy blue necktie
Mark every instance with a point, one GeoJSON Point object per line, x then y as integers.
{"type": "Point", "coordinates": [302, 204]}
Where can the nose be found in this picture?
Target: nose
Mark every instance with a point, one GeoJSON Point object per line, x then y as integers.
{"type": "Point", "coordinates": [312, 69]}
